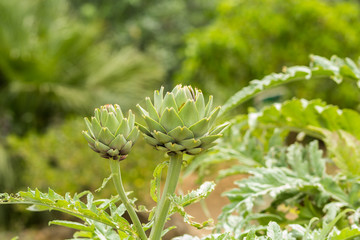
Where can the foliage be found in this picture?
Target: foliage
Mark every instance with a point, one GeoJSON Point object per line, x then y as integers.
{"type": "Point", "coordinates": [101, 218]}
{"type": "Point", "coordinates": [335, 68]}
{"type": "Point", "coordinates": [98, 223]}
{"type": "Point", "coordinates": [49, 66]}
{"type": "Point", "coordinates": [290, 185]}
{"type": "Point", "coordinates": [314, 118]}
{"type": "Point", "coordinates": [155, 26]}
{"type": "Point", "coordinates": [296, 191]}
{"type": "Point", "coordinates": [337, 127]}
{"type": "Point", "coordinates": [252, 38]}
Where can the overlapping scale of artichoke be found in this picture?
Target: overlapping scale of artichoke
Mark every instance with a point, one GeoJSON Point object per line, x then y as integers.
{"type": "Point", "coordinates": [181, 121]}
{"type": "Point", "coordinates": [109, 133]}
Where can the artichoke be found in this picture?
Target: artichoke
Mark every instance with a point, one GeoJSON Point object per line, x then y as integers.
{"type": "Point", "coordinates": [180, 122]}
{"type": "Point", "coordinates": [109, 133]}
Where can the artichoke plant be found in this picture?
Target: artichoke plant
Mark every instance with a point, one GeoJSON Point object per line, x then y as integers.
{"type": "Point", "coordinates": [181, 121]}
{"type": "Point", "coordinates": [109, 133]}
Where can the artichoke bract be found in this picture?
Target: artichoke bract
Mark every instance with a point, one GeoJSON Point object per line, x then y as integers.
{"type": "Point", "coordinates": [109, 133]}
{"type": "Point", "coordinates": [181, 121]}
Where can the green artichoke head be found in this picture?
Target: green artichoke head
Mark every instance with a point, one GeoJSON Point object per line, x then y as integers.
{"type": "Point", "coordinates": [109, 133]}
{"type": "Point", "coordinates": [181, 121]}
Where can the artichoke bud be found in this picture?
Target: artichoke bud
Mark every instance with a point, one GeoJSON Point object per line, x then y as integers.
{"type": "Point", "coordinates": [180, 121]}
{"type": "Point", "coordinates": [109, 133]}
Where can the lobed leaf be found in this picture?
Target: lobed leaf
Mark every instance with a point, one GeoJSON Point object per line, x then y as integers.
{"type": "Point", "coordinates": [336, 69]}
{"type": "Point", "coordinates": [94, 211]}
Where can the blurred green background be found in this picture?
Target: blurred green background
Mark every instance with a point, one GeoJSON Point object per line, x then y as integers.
{"type": "Point", "coordinates": [61, 59]}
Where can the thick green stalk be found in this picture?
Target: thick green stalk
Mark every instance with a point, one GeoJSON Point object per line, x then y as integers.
{"type": "Point", "coordinates": [163, 206]}
{"type": "Point", "coordinates": [116, 176]}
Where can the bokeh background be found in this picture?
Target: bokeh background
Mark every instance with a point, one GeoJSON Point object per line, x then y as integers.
{"type": "Point", "coordinates": [61, 59]}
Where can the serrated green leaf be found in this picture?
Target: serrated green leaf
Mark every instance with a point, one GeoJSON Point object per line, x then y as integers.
{"type": "Point", "coordinates": [346, 234]}
{"type": "Point", "coordinates": [327, 228]}
{"type": "Point", "coordinates": [296, 160]}
{"type": "Point", "coordinates": [155, 190]}
{"type": "Point", "coordinates": [344, 147]}
{"type": "Point", "coordinates": [274, 231]}
{"type": "Point", "coordinates": [38, 208]}
{"type": "Point", "coordinates": [71, 224]}
{"type": "Point", "coordinates": [319, 68]}
{"type": "Point", "coordinates": [65, 204]}
{"type": "Point", "coordinates": [105, 181]}
{"type": "Point", "coordinates": [196, 195]}
{"type": "Point", "coordinates": [336, 127]}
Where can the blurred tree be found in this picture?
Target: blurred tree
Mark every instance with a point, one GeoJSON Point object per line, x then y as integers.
{"type": "Point", "coordinates": [251, 38]}
{"type": "Point", "coordinates": [53, 63]}
{"type": "Point", "coordinates": [152, 25]}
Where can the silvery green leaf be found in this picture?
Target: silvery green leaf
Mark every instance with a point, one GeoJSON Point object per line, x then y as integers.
{"type": "Point", "coordinates": [274, 231]}
{"type": "Point", "coordinates": [315, 159]}
{"type": "Point", "coordinates": [195, 195]}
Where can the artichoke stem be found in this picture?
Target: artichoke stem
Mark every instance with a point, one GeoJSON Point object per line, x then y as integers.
{"type": "Point", "coordinates": [163, 206]}
{"type": "Point", "coordinates": [116, 176]}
